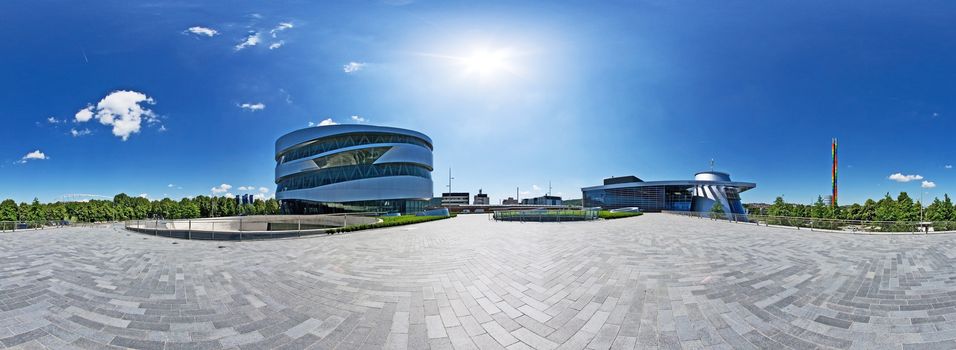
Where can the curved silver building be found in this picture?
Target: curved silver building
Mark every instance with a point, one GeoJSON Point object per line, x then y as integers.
{"type": "Point", "coordinates": [700, 194]}
{"type": "Point", "coordinates": [353, 168]}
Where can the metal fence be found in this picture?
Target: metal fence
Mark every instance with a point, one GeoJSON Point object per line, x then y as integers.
{"type": "Point", "coordinates": [33, 225]}
{"type": "Point", "coordinates": [545, 215]}
{"type": "Point", "coordinates": [852, 226]}
{"type": "Point", "coordinates": [249, 227]}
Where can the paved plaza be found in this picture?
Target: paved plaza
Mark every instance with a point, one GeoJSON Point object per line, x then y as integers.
{"type": "Point", "coordinates": [656, 281]}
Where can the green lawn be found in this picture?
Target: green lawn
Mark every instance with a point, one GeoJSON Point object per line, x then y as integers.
{"type": "Point", "coordinates": [607, 214]}
{"type": "Point", "coordinates": [389, 221]}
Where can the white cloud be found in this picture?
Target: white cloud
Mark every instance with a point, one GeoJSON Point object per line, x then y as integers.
{"type": "Point", "coordinates": [898, 177]}
{"type": "Point", "coordinates": [276, 45]}
{"type": "Point", "coordinates": [251, 40]}
{"type": "Point", "coordinates": [78, 133]}
{"type": "Point", "coordinates": [221, 189]}
{"type": "Point", "coordinates": [326, 122]}
{"type": "Point", "coordinates": [263, 190]}
{"type": "Point", "coordinates": [85, 114]}
{"type": "Point", "coordinates": [203, 31]}
{"type": "Point", "coordinates": [535, 188]}
{"type": "Point", "coordinates": [282, 26]}
{"type": "Point", "coordinates": [353, 67]}
{"type": "Point", "coordinates": [53, 120]}
{"type": "Point", "coordinates": [947, 166]}
{"type": "Point", "coordinates": [358, 119]}
{"type": "Point", "coordinates": [144, 195]}
{"type": "Point", "coordinates": [247, 188]}
{"type": "Point", "coordinates": [928, 184]}
{"type": "Point", "coordinates": [253, 106]}
{"type": "Point", "coordinates": [123, 110]}
{"type": "Point", "coordinates": [35, 155]}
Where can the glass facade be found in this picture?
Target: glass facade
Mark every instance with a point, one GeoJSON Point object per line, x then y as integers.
{"type": "Point", "coordinates": [337, 174]}
{"type": "Point", "coordinates": [648, 198]}
{"type": "Point", "coordinates": [326, 144]}
{"type": "Point", "coordinates": [378, 206]}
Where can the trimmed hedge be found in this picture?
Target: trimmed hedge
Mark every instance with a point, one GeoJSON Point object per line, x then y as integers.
{"type": "Point", "coordinates": [607, 214]}
{"type": "Point", "coordinates": [389, 221]}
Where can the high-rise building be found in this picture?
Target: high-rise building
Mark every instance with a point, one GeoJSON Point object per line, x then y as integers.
{"type": "Point", "coordinates": [481, 199]}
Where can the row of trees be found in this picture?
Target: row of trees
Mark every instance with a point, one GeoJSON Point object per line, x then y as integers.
{"type": "Point", "coordinates": [124, 207]}
{"type": "Point", "coordinates": [902, 208]}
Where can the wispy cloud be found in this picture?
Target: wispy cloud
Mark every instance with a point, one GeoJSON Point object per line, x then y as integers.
{"type": "Point", "coordinates": [253, 106]}
{"type": "Point", "coordinates": [353, 67]}
{"type": "Point", "coordinates": [326, 122]}
{"type": "Point", "coordinates": [221, 189]}
{"type": "Point", "coordinates": [358, 119]}
{"type": "Point", "coordinates": [78, 133]}
{"type": "Point", "coordinates": [928, 184]}
{"type": "Point", "coordinates": [899, 177]}
{"type": "Point", "coordinates": [203, 31]}
{"type": "Point", "coordinates": [251, 40]}
{"type": "Point", "coordinates": [53, 120]}
{"type": "Point", "coordinates": [35, 155]}
{"type": "Point", "coordinates": [282, 26]}
{"type": "Point", "coordinates": [947, 166]}
{"type": "Point", "coordinates": [276, 45]}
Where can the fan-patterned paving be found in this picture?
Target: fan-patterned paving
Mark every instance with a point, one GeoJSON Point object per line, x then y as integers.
{"type": "Point", "coordinates": [655, 281]}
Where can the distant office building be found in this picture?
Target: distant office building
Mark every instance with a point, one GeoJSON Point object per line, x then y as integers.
{"type": "Point", "coordinates": [543, 200]}
{"type": "Point", "coordinates": [455, 198]}
{"type": "Point", "coordinates": [700, 194]}
{"type": "Point", "coordinates": [510, 201]}
{"type": "Point", "coordinates": [353, 168]}
{"type": "Point", "coordinates": [481, 199]}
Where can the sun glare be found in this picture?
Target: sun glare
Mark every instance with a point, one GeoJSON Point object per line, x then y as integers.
{"type": "Point", "coordinates": [485, 63]}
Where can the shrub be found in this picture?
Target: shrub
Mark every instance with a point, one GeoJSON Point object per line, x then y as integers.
{"type": "Point", "coordinates": [389, 221]}
{"type": "Point", "coordinates": [607, 214]}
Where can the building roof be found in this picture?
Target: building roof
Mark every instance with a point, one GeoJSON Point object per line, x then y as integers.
{"type": "Point", "coordinates": [316, 132]}
{"type": "Point", "coordinates": [621, 179]}
{"type": "Point", "coordinates": [743, 186]}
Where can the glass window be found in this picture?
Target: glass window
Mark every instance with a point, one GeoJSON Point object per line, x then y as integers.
{"type": "Point", "coordinates": [338, 174]}
{"type": "Point", "coordinates": [326, 144]}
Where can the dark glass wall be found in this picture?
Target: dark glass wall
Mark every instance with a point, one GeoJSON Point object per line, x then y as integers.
{"type": "Point", "coordinates": [648, 198]}
{"type": "Point", "coordinates": [404, 206]}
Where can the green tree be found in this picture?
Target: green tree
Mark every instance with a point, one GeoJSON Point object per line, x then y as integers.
{"type": "Point", "coordinates": [819, 208]}
{"type": "Point", "coordinates": [717, 210]}
{"type": "Point", "coordinates": [778, 208]}
{"type": "Point", "coordinates": [906, 210]}
{"type": "Point", "coordinates": [886, 209]}
{"type": "Point", "coordinates": [8, 210]}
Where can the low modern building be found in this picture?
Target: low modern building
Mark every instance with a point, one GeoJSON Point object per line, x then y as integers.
{"type": "Point", "coordinates": [455, 198]}
{"type": "Point", "coordinates": [543, 200]}
{"type": "Point", "coordinates": [481, 199]}
{"type": "Point", "coordinates": [510, 201]}
{"type": "Point", "coordinates": [700, 194]}
{"type": "Point", "coordinates": [353, 168]}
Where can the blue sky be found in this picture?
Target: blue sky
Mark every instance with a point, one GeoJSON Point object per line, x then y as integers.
{"type": "Point", "coordinates": [578, 91]}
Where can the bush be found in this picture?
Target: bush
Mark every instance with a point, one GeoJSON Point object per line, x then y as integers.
{"type": "Point", "coordinates": [389, 221]}
{"type": "Point", "coordinates": [607, 214]}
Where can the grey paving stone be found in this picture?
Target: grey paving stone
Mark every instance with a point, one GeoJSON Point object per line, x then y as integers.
{"type": "Point", "coordinates": [655, 281]}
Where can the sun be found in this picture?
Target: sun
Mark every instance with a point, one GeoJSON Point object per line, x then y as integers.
{"type": "Point", "coordinates": [485, 63]}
